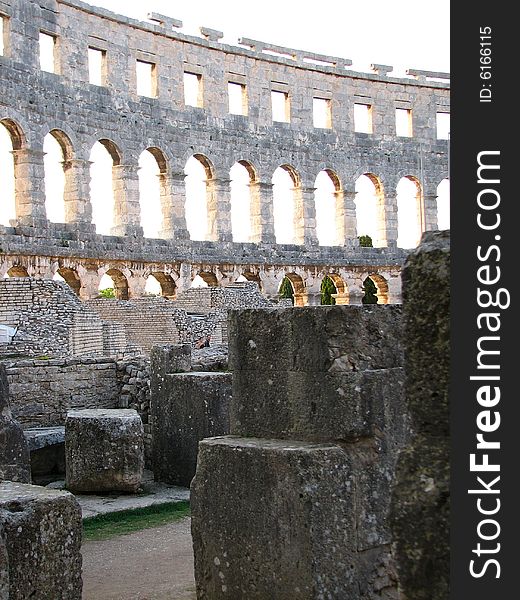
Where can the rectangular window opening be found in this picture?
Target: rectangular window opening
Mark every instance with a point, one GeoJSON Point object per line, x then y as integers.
{"type": "Point", "coordinates": [362, 118]}
{"type": "Point", "coordinates": [3, 35]}
{"type": "Point", "coordinates": [96, 66]}
{"type": "Point", "coordinates": [193, 90]}
{"type": "Point", "coordinates": [146, 79]}
{"type": "Point", "coordinates": [321, 113]}
{"type": "Point", "coordinates": [237, 98]}
{"type": "Point", "coordinates": [403, 122]}
{"type": "Point", "coordinates": [280, 106]}
{"type": "Point", "coordinates": [47, 52]}
{"type": "Point", "coordinates": [443, 126]}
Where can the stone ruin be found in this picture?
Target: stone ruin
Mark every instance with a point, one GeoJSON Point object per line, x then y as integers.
{"type": "Point", "coordinates": [336, 417]}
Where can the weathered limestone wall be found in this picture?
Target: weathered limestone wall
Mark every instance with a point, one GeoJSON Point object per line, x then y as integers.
{"type": "Point", "coordinates": [50, 319]}
{"type": "Point", "coordinates": [317, 421]}
{"type": "Point", "coordinates": [41, 391]}
{"type": "Point", "coordinates": [420, 512]}
{"type": "Point", "coordinates": [79, 114]}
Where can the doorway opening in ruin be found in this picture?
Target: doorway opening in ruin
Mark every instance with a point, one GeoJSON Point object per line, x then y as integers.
{"type": "Point", "coordinates": [443, 204]}
{"type": "Point", "coordinates": [105, 157]}
{"type": "Point", "coordinates": [11, 139]}
{"type": "Point", "coordinates": [114, 284]}
{"type": "Point", "coordinates": [152, 173]}
{"type": "Point", "coordinates": [370, 211]}
{"type": "Point", "coordinates": [242, 175]}
{"type": "Point", "coordinates": [327, 186]}
{"type": "Point", "coordinates": [285, 185]}
{"type": "Point", "coordinates": [410, 213]}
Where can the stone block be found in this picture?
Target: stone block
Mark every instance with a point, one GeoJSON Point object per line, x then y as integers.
{"type": "Point", "coordinates": [420, 506]}
{"type": "Point", "coordinates": [40, 541]}
{"type": "Point", "coordinates": [104, 450]}
{"type": "Point", "coordinates": [314, 406]}
{"type": "Point", "coordinates": [190, 407]}
{"type": "Point", "coordinates": [332, 339]}
{"type": "Point", "coordinates": [15, 462]}
{"type": "Point", "coordinates": [277, 522]}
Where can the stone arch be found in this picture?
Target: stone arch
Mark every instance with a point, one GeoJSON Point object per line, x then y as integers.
{"type": "Point", "coordinates": [209, 278]}
{"type": "Point", "coordinates": [152, 175]}
{"type": "Point", "coordinates": [166, 283]}
{"type": "Point", "coordinates": [382, 287]}
{"type": "Point", "coordinates": [242, 175]}
{"type": "Point", "coordinates": [58, 152]}
{"type": "Point", "coordinates": [287, 205]}
{"type": "Point", "coordinates": [342, 294]}
{"type": "Point", "coordinates": [410, 212]}
{"type": "Point", "coordinates": [120, 283]}
{"type": "Point", "coordinates": [17, 271]}
{"type": "Point", "coordinates": [250, 276]}
{"type": "Point", "coordinates": [370, 208]}
{"type": "Point", "coordinates": [298, 286]}
{"type": "Point", "coordinates": [71, 278]}
{"type": "Point", "coordinates": [105, 157]}
{"type": "Point", "coordinates": [11, 140]}
{"type": "Point", "coordinates": [201, 201]}
{"type": "Point", "coordinates": [328, 201]}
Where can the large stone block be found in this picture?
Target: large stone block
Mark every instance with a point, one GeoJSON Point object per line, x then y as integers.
{"type": "Point", "coordinates": [40, 541]}
{"type": "Point", "coordinates": [332, 339]}
{"type": "Point", "coordinates": [15, 464]}
{"type": "Point", "coordinates": [278, 522]}
{"type": "Point", "coordinates": [188, 408]}
{"type": "Point", "coordinates": [104, 450]}
{"type": "Point", "coordinates": [315, 406]}
{"type": "Point", "coordinates": [420, 508]}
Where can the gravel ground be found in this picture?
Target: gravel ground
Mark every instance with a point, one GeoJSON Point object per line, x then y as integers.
{"type": "Point", "coordinates": [152, 564]}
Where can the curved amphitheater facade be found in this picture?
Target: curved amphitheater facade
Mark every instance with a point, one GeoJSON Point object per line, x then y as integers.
{"type": "Point", "coordinates": [77, 113]}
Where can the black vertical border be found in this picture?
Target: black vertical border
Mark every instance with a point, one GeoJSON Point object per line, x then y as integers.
{"type": "Point", "coordinates": [475, 127]}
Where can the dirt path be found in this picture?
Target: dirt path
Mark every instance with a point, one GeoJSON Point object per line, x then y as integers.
{"type": "Point", "coordinates": [152, 564]}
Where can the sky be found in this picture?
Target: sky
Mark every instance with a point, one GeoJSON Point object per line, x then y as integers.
{"type": "Point", "coordinates": [401, 33]}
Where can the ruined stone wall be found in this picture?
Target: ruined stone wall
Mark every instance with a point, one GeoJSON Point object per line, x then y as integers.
{"type": "Point", "coordinates": [41, 391]}
{"type": "Point", "coordinates": [239, 295]}
{"type": "Point", "coordinates": [49, 318]}
{"type": "Point", "coordinates": [78, 113]}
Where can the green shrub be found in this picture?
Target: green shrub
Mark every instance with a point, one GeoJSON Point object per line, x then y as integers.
{"type": "Point", "coordinates": [370, 290]}
{"type": "Point", "coordinates": [365, 241]}
{"type": "Point", "coordinates": [327, 289]}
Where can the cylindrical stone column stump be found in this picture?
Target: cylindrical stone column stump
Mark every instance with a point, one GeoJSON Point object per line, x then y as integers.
{"type": "Point", "coordinates": [104, 450]}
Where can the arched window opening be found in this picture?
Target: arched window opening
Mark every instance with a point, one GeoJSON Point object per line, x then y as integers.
{"type": "Point", "coordinates": [241, 177]}
{"type": "Point", "coordinates": [204, 279]}
{"type": "Point", "coordinates": [54, 179]}
{"type": "Point", "coordinates": [7, 177]}
{"type": "Point", "coordinates": [326, 184]}
{"type": "Point", "coordinates": [197, 172]}
{"type": "Point", "coordinates": [328, 291]}
{"type": "Point", "coordinates": [160, 284]}
{"type": "Point", "coordinates": [443, 204]}
{"type": "Point", "coordinates": [292, 287]}
{"type": "Point", "coordinates": [70, 277]}
{"type": "Point", "coordinates": [376, 290]}
{"type": "Point", "coordinates": [17, 271]}
{"type": "Point", "coordinates": [103, 158]}
{"type": "Point", "coordinates": [368, 203]}
{"type": "Point", "coordinates": [284, 205]}
{"type": "Point", "coordinates": [113, 284]}
{"type": "Point", "coordinates": [150, 194]}
{"type": "Point", "coordinates": [409, 213]}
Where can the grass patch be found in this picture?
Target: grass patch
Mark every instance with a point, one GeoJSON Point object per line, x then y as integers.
{"type": "Point", "coordinates": [102, 527]}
